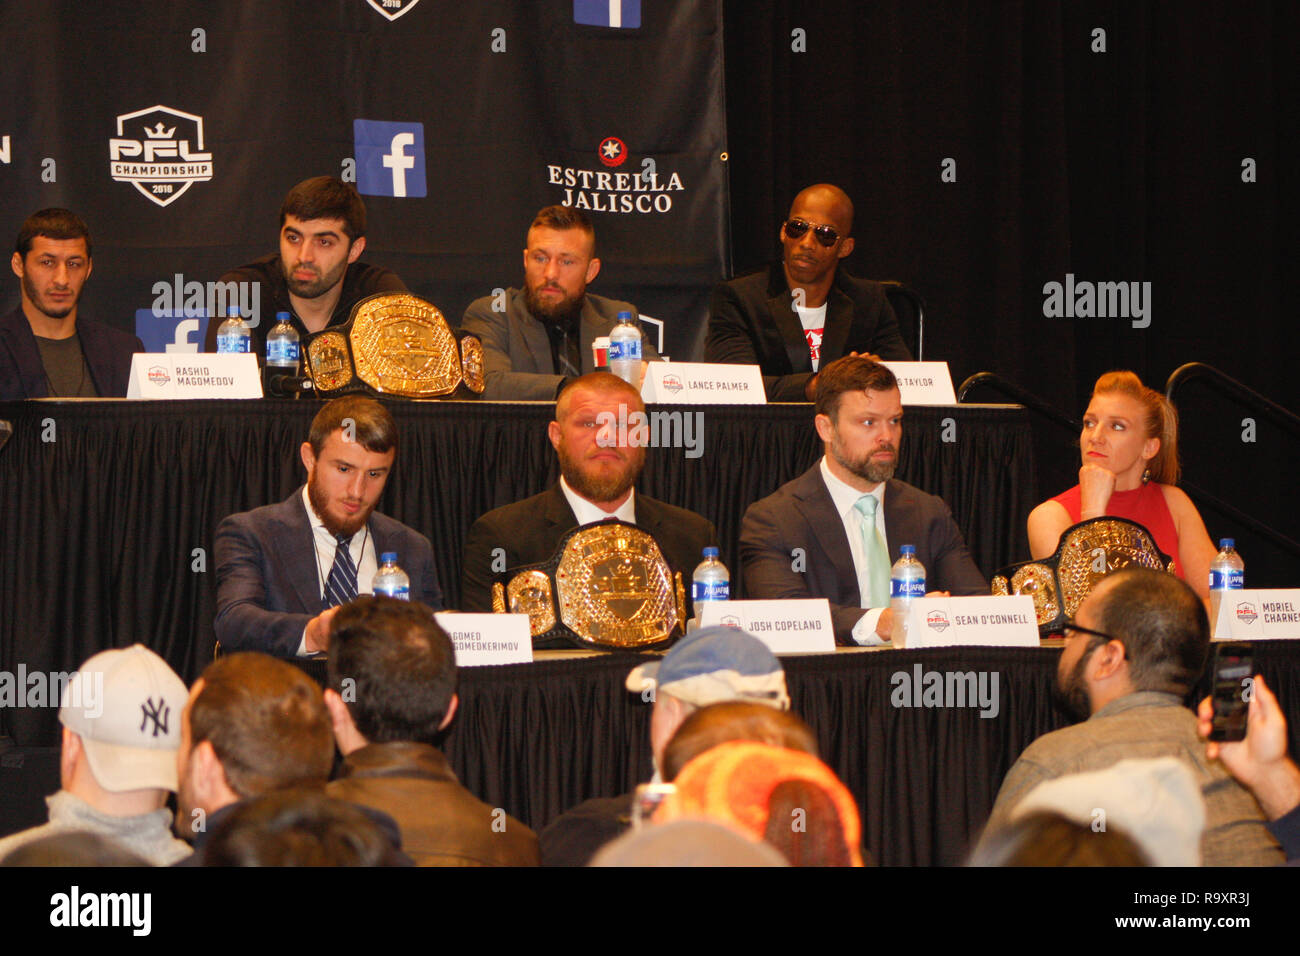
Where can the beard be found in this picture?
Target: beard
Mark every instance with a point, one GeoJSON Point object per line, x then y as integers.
{"type": "Point", "coordinates": [311, 288]}
{"type": "Point", "coordinates": [320, 504]}
{"type": "Point", "coordinates": [560, 312]}
{"type": "Point", "coordinates": [864, 467]}
{"type": "Point", "coordinates": [601, 487]}
{"type": "Point", "coordinates": [1071, 692]}
{"type": "Point", "coordinates": [33, 295]}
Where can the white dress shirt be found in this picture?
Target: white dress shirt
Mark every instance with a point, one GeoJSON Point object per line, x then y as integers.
{"type": "Point", "coordinates": [364, 559]}
{"type": "Point", "coordinates": [845, 498]}
{"type": "Point", "coordinates": [586, 512]}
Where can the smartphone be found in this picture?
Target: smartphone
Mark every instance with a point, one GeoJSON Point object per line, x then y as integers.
{"type": "Point", "coordinates": [1234, 671]}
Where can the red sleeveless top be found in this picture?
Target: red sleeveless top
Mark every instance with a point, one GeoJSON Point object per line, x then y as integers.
{"type": "Point", "coordinates": [1145, 505]}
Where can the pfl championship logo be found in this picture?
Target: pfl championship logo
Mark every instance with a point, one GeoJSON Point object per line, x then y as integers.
{"type": "Point", "coordinates": [392, 9]}
{"type": "Point", "coordinates": [159, 151]}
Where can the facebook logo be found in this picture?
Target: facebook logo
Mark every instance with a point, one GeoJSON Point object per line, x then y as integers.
{"type": "Point", "coordinates": [608, 13]}
{"type": "Point", "coordinates": [390, 158]}
{"type": "Point", "coordinates": [170, 333]}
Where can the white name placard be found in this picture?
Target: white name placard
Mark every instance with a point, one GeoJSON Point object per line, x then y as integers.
{"type": "Point", "coordinates": [202, 375]}
{"type": "Point", "coordinates": [702, 383]}
{"type": "Point", "coordinates": [989, 621]}
{"type": "Point", "coordinates": [801, 626]}
{"type": "Point", "coordinates": [482, 639]}
{"type": "Point", "coordinates": [923, 383]}
{"type": "Point", "coordinates": [1259, 614]}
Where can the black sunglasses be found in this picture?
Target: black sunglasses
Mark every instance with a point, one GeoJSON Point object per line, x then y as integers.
{"type": "Point", "coordinates": [826, 235]}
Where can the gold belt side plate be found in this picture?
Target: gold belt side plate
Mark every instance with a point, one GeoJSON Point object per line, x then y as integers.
{"type": "Point", "coordinates": [328, 362]}
{"type": "Point", "coordinates": [403, 346]}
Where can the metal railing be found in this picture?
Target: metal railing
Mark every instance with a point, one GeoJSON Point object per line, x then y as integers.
{"type": "Point", "coordinates": [1180, 376]}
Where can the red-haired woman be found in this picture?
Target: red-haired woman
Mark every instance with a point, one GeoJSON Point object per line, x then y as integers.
{"type": "Point", "coordinates": [1129, 446]}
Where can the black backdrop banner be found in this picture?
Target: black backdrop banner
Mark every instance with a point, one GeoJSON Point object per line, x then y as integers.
{"type": "Point", "coordinates": [176, 128]}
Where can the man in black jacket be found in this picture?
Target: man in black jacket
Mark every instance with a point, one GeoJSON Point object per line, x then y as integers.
{"type": "Point", "coordinates": [598, 469]}
{"type": "Point", "coordinates": [802, 313]}
{"type": "Point", "coordinates": [46, 349]}
{"type": "Point", "coordinates": [317, 276]}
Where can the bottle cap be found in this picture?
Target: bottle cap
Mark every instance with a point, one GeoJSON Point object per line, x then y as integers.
{"type": "Point", "coordinates": [388, 556]}
{"type": "Point", "coordinates": [625, 316]}
{"type": "Point", "coordinates": [711, 552]}
{"type": "Point", "coordinates": [1226, 543]}
{"type": "Point", "coordinates": [282, 316]}
{"type": "Point", "coordinates": [907, 549]}
{"type": "Point", "coordinates": [232, 312]}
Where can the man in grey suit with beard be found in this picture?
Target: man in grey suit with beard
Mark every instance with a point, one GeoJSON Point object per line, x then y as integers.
{"type": "Point", "coordinates": [836, 530]}
{"type": "Point", "coordinates": [284, 569]}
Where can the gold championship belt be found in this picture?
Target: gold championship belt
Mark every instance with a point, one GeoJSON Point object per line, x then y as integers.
{"type": "Point", "coordinates": [607, 586]}
{"type": "Point", "coordinates": [1087, 552]}
{"type": "Point", "coordinates": [395, 343]}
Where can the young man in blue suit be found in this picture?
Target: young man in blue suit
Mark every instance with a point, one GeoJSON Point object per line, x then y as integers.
{"type": "Point", "coordinates": [283, 570]}
{"type": "Point", "coordinates": [836, 530]}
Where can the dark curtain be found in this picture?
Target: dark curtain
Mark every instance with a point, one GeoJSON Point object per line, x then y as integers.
{"type": "Point", "coordinates": [1123, 165]}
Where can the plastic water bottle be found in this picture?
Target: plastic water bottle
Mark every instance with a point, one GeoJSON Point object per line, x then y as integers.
{"type": "Point", "coordinates": [711, 581]}
{"type": "Point", "coordinates": [625, 350]}
{"type": "Point", "coordinates": [390, 580]}
{"type": "Point", "coordinates": [282, 348]}
{"type": "Point", "coordinates": [906, 584]}
{"type": "Point", "coordinates": [233, 334]}
{"type": "Point", "coordinates": [1227, 573]}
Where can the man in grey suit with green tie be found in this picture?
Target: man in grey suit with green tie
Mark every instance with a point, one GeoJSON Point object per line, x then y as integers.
{"type": "Point", "coordinates": [836, 530]}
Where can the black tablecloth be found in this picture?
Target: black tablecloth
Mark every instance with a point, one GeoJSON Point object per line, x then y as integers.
{"type": "Point", "coordinates": [109, 508]}
{"type": "Point", "coordinates": [539, 738]}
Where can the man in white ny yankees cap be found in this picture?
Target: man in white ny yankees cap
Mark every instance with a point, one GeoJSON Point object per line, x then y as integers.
{"type": "Point", "coordinates": [121, 716]}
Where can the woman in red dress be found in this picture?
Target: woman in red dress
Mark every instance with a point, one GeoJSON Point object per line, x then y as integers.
{"type": "Point", "coordinates": [1129, 446]}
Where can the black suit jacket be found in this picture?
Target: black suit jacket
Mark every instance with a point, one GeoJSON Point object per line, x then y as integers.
{"type": "Point", "coordinates": [752, 321]}
{"type": "Point", "coordinates": [268, 581]}
{"type": "Point", "coordinates": [107, 350]}
{"type": "Point", "coordinates": [529, 531]}
{"type": "Point", "coordinates": [801, 514]}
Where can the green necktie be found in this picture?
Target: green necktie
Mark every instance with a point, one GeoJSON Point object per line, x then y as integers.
{"type": "Point", "coordinates": [874, 550]}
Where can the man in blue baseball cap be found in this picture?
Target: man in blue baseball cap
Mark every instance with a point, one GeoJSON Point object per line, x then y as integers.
{"type": "Point", "coordinates": [711, 666]}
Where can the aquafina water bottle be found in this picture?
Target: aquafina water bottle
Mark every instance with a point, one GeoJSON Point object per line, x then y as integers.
{"type": "Point", "coordinates": [906, 584]}
{"type": "Point", "coordinates": [282, 347]}
{"type": "Point", "coordinates": [233, 334]}
{"type": "Point", "coordinates": [711, 581]}
{"type": "Point", "coordinates": [390, 580]}
{"type": "Point", "coordinates": [625, 350]}
{"type": "Point", "coordinates": [1227, 573]}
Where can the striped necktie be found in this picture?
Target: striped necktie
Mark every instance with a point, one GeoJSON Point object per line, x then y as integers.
{"type": "Point", "coordinates": [341, 587]}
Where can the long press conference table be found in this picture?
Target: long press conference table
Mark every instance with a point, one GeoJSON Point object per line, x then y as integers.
{"type": "Point", "coordinates": [110, 507]}
{"type": "Point", "coordinates": [106, 535]}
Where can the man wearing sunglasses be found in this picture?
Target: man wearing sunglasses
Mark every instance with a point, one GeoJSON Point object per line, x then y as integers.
{"type": "Point", "coordinates": [1133, 653]}
{"type": "Point", "coordinates": [800, 314]}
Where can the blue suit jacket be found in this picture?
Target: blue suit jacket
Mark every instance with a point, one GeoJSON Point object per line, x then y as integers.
{"type": "Point", "coordinates": [268, 586]}
{"type": "Point", "coordinates": [107, 350]}
{"type": "Point", "coordinates": [801, 514]}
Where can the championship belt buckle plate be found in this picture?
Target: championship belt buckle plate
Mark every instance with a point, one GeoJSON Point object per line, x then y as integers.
{"type": "Point", "coordinates": [607, 586]}
{"type": "Point", "coordinates": [398, 344]}
{"type": "Point", "coordinates": [1086, 553]}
